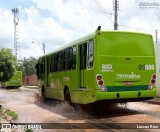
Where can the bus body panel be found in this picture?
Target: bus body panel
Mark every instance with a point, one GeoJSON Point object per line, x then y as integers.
{"type": "Point", "coordinates": [138, 70]}
{"type": "Point", "coordinates": [15, 81]}
{"type": "Point", "coordinates": [125, 60]}
{"type": "Point", "coordinates": [125, 95]}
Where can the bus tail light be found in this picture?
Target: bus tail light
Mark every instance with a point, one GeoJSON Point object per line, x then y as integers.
{"type": "Point", "coordinates": [99, 77]}
{"type": "Point", "coordinates": [152, 82]}
{"type": "Point", "coordinates": [100, 83]}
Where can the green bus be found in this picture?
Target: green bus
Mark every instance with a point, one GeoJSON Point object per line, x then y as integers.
{"type": "Point", "coordinates": [114, 66]}
{"type": "Point", "coordinates": [15, 81]}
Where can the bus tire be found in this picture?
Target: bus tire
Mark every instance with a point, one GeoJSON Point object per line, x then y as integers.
{"type": "Point", "coordinates": [67, 97]}
{"type": "Point", "coordinates": [43, 94]}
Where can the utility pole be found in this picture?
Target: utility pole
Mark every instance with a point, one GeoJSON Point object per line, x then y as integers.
{"type": "Point", "coordinates": [156, 35]}
{"type": "Point", "coordinates": [44, 48]}
{"type": "Point", "coordinates": [115, 8]}
{"type": "Point", "coordinates": [15, 12]}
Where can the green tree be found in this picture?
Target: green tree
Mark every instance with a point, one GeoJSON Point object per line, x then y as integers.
{"type": "Point", "coordinates": [7, 64]}
{"type": "Point", "coordinates": [29, 66]}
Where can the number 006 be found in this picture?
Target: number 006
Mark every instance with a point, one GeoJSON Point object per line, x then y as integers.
{"type": "Point", "coordinates": [149, 67]}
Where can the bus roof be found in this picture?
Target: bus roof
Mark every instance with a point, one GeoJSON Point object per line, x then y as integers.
{"type": "Point", "coordinates": [90, 36]}
{"type": "Point", "coordinates": [121, 31]}
{"type": "Point", "coordinates": [82, 39]}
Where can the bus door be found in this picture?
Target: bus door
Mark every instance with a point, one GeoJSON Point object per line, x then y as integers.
{"type": "Point", "coordinates": [83, 57]}
{"type": "Point", "coordinates": [42, 70]}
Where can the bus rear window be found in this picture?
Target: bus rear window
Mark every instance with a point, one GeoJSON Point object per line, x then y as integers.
{"type": "Point", "coordinates": [125, 44]}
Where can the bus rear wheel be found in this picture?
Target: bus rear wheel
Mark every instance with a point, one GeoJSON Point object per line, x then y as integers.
{"type": "Point", "coordinates": [43, 95]}
{"type": "Point", "coordinates": [67, 97]}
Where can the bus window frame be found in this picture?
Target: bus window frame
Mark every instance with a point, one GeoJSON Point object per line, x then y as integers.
{"type": "Point", "coordinates": [74, 53]}
{"type": "Point", "coordinates": [90, 54]}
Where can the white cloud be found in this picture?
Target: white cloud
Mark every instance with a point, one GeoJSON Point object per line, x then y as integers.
{"type": "Point", "coordinates": [134, 18]}
{"type": "Point", "coordinates": [68, 20]}
{"type": "Point", "coordinates": [32, 50]}
{"type": "Point", "coordinates": [6, 28]}
{"type": "Point", "coordinates": [38, 29]}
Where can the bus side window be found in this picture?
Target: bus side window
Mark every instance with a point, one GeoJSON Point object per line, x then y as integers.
{"type": "Point", "coordinates": [55, 62]}
{"type": "Point", "coordinates": [64, 60]}
{"type": "Point", "coordinates": [70, 58]}
{"type": "Point", "coordinates": [74, 58]}
{"type": "Point", "coordinates": [41, 68]}
{"type": "Point", "coordinates": [66, 52]}
{"type": "Point", "coordinates": [90, 53]}
{"type": "Point", "coordinates": [37, 69]}
{"type": "Point", "coordinates": [60, 61]}
{"type": "Point", "coordinates": [52, 63]}
{"type": "Point", "coordinates": [83, 56]}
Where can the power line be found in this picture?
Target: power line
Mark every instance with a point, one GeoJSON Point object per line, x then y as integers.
{"type": "Point", "coordinates": [116, 7]}
{"type": "Point", "coordinates": [102, 9]}
{"type": "Point", "coordinates": [136, 28]}
{"type": "Point", "coordinates": [125, 2]}
{"type": "Point", "coordinates": [43, 46]}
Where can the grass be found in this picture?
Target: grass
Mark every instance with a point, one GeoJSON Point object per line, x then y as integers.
{"type": "Point", "coordinates": [12, 114]}
{"type": "Point", "coordinates": [28, 130]}
{"type": "Point", "coordinates": [5, 113]}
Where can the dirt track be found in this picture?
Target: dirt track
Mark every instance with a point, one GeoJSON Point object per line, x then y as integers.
{"type": "Point", "coordinates": [30, 109]}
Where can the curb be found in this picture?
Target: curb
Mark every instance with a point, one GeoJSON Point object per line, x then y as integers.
{"type": "Point", "coordinates": [31, 87]}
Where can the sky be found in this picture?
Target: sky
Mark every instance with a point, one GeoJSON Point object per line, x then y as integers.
{"type": "Point", "coordinates": [58, 22]}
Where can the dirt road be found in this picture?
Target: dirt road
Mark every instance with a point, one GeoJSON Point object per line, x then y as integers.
{"type": "Point", "coordinates": [30, 109]}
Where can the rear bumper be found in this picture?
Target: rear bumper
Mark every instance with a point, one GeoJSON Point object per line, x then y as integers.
{"type": "Point", "coordinates": [127, 96]}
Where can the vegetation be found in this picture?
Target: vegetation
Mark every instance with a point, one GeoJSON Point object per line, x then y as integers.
{"type": "Point", "coordinates": [7, 64]}
{"type": "Point", "coordinates": [27, 66]}
{"type": "Point", "coordinates": [28, 130]}
{"type": "Point", "coordinates": [5, 113]}
{"type": "Point", "coordinates": [12, 114]}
